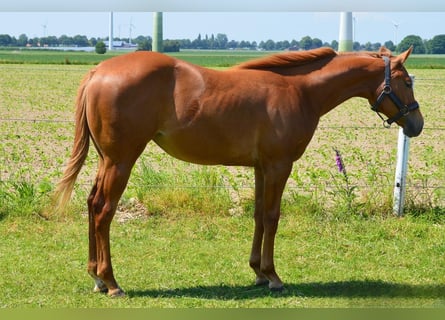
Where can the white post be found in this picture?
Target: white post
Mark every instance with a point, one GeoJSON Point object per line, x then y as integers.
{"type": "Point", "coordinates": [401, 170]}
{"type": "Point", "coordinates": [110, 35]}
{"type": "Point", "coordinates": [345, 35]}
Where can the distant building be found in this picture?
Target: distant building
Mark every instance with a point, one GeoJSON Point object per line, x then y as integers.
{"type": "Point", "coordinates": [121, 44]}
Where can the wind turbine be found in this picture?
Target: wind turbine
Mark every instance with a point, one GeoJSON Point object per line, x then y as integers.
{"type": "Point", "coordinates": [131, 26]}
{"type": "Point", "coordinates": [110, 32]}
{"type": "Point", "coordinates": [345, 42]}
{"type": "Point", "coordinates": [396, 27]}
{"type": "Point", "coordinates": [44, 26]}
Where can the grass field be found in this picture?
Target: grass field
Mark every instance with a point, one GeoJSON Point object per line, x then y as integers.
{"type": "Point", "coordinates": [205, 58]}
{"type": "Point", "coordinates": [217, 58]}
{"type": "Point", "coordinates": [183, 240]}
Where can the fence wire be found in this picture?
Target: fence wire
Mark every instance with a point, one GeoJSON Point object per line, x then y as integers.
{"type": "Point", "coordinates": [417, 187]}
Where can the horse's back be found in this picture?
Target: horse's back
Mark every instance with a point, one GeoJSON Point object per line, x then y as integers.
{"type": "Point", "coordinates": [146, 60]}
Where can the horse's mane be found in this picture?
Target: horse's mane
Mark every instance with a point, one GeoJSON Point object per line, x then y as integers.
{"type": "Point", "coordinates": [371, 54]}
{"type": "Point", "coordinates": [288, 59]}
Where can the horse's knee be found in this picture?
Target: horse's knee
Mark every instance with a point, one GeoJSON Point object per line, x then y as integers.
{"type": "Point", "coordinates": [271, 220]}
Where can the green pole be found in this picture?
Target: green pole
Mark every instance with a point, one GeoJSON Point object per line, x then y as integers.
{"type": "Point", "coordinates": [157, 32]}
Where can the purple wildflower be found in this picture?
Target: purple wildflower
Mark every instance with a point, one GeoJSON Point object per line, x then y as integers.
{"type": "Point", "coordinates": [339, 162]}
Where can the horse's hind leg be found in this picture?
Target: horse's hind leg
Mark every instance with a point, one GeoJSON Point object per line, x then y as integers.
{"type": "Point", "coordinates": [102, 203]}
{"type": "Point", "coordinates": [92, 259]}
{"type": "Point", "coordinates": [255, 256]}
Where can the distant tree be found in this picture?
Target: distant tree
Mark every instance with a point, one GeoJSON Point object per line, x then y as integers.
{"type": "Point", "coordinates": [376, 46]}
{"type": "Point", "coordinates": [101, 48]}
{"type": "Point", "coordinates": [22, 41]}
{"type": "Point", "coordinates": [437, 44]}
{"type": "Point", "coordinates": [197, 43]}
{"type": "Point", "coordinates": [144, 45]}
{"type": "Point", "coordinates": [306, 43]}
{"type": "Point", "coordinates": [427, 45]}
{"type": "Point", "coordinates": [51, 41]}
{"type": "Point", "coordinates": [294, 44]}
{"type": "Point", "coordinates": [412, 40]}
{"type": "Point", "coordinates": [66, 41]}
{"type": "Point", "coordinates": [244, 44]}
{"type": "Point", "coordinates": [171, 46]}
{"type": "Point", "coordinates": [334, 44]}
{"type": "Point", "coordinates": [212, 42]}
{"type": "Point", "coordinates": [13, 41]}
{"type": "Point", "coordinates": [205, 42]}
{"type": "Point", "coordinates": [93, 41]}
{"type": "Point", "coordinates": [316, 43]}
{"type": "Point", "coordinates": [390, 45]}
{"type": "Point", "coordinates": [356, 46]}
{"type": "Point", "coordinates": [368, 46]}
{"type": "Point", "coordinates": [232, 44]}
{"type": "Point", "coordinates": [142, 38]}
{"type": "Point", "coordinates": [5, 40]}
{"type": "Point", "coordinates": [269, 45]}
{"type": "Point", "coordinates": [282, 45]}
{"type": "Point", "coordinates": [185, 44]}
{"type": "Point", "coordinates": [81, 41]}
{"type": "Point", "coordinates": [221, 40]}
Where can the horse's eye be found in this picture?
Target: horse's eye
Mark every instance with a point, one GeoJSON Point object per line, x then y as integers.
{"type": "Point", "coordinates": [409, 84]}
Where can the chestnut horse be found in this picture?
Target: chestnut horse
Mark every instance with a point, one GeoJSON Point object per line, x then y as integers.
{"type": "Point", "coordinates": [261, 114]}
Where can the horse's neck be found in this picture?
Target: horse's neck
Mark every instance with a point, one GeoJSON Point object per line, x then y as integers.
{"type": "Point", "coordinates": [343, 78]}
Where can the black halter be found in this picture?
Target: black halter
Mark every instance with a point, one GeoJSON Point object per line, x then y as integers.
{"type": "Point", "coordinates": [387, 91]}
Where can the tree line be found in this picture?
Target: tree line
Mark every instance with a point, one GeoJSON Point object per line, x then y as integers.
{"type": "Point", "coordinates": [220, 41]}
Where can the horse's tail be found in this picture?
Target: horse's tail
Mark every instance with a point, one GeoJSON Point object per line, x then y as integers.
{"type": "Point", "coordinates": [79, 152]}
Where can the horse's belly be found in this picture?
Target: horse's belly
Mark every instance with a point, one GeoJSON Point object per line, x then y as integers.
{"type": "Point", "coordinates": [205, 149]}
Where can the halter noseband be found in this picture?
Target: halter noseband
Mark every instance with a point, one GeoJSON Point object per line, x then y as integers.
{"type": "Point", "coordinates": [387, 91]}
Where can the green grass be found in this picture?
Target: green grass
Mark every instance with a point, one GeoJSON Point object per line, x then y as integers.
{"type": "Point", "coordinates": [182, 235]}
{"type": "Point", "coordinates": [45, 57]}
{"type": "Point", "coordinates": [208, 58]}
{"type": "Point", "coordinates": [431, 61]}
{"type": "Point", "coordinates": [201, 261]}
{"type": "Point", "coordinates": [204, 58]}
{"type": "Point", "coordinates": [218, 58]}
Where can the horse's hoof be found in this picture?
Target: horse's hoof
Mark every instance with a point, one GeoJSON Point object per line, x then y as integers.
{"type": "Point", "coordinates": [278, 289]}
{"type": "Point", "coordinates": [259, 281]}
{"type": "Point", "coordinates": [116, 293]}
{"type": "Point", "coordinates": [100, 289]}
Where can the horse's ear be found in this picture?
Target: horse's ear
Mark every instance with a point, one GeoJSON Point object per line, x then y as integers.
{"type": "Point", "coordinates": [401, 58]}
{"type": "Point", "coordinates": [385, 52]}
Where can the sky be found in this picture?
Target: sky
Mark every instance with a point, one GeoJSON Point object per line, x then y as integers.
{"type": "Point", "coordinates": [249, 26]}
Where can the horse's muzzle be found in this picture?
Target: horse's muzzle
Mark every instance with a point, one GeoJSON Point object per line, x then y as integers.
{"type": "Point", "coordinates": [413, 126]}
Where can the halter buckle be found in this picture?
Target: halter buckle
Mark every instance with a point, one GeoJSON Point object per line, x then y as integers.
{"type": "Point", "coordinates": [387, 89]}
{"type": "Point", "coordinates": [404, 111]}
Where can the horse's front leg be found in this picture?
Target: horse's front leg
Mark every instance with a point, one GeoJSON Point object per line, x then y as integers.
{"type": "Point", "coordinates": [275, 178]}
